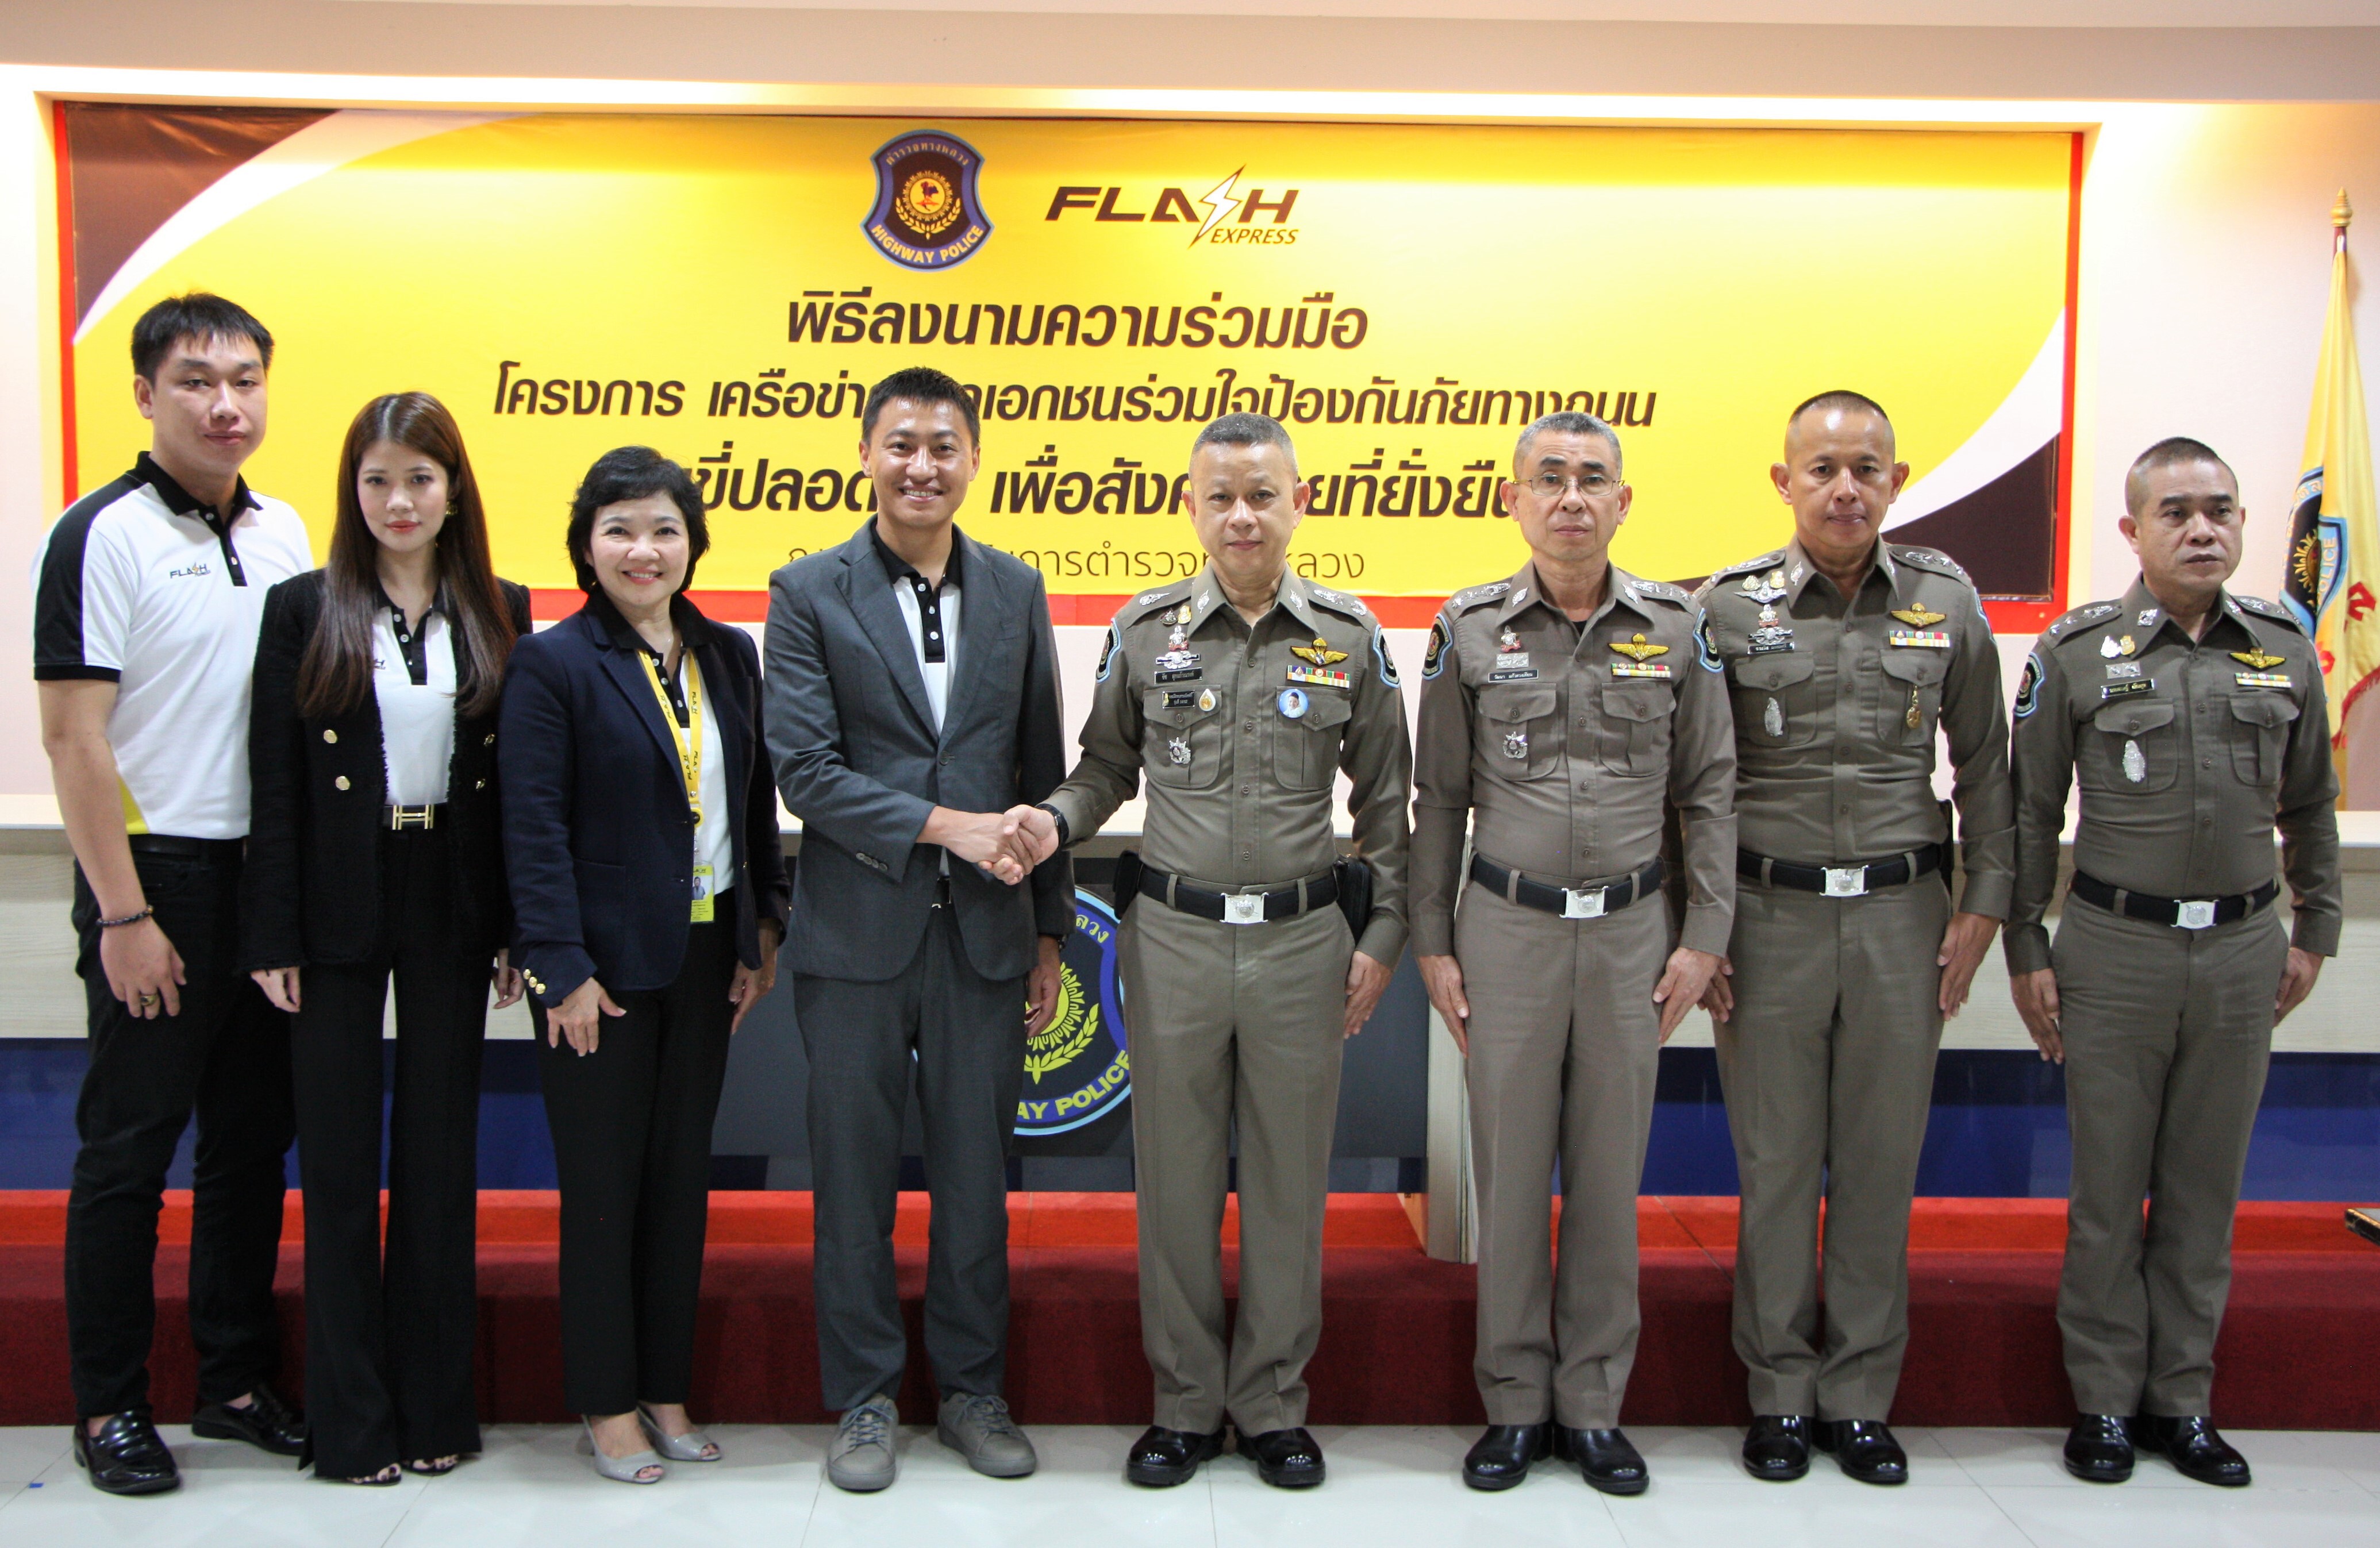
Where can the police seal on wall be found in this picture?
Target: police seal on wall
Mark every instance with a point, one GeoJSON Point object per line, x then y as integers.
{"type": "Point", "coordinates": [927, 215]}
{"type": "Point", "coordinates": [1078, 1068]}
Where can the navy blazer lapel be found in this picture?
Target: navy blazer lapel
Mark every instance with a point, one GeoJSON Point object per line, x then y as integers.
{"type": "Point", "coordinates": [869, 591]}
{"type": "Point", "coordinates": [979, 605]}
{"type": "Point", "coordinates": [625, 669]}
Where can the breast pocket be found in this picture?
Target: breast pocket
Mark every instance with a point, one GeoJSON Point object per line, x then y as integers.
{"type": "Point", "coordinates": [1776, 702]}
{"type": "Point", "coordinates": [1181, 735]}
{"type": "Point", "coordinates": [1520, 730]}
{"type": "Point", "coordinates": [1634, 735]}
{"type": "Point", "coordinates": [1910, 705]}
{"type": "Point", "coordinates": [2130, 749]}
{"type": "Point", "coordinates": [2260, 736]}
{"type": "Point", "coordinates": [1305, 748]}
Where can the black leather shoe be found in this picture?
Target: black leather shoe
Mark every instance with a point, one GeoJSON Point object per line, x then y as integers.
{"type": "Point", "coordinates": [1163, 1457]}
{"type": "Point", "coordinates": [1285, 1458]}
{"type": "Point", "coordinates": [1865, 1449]}
{"type": "Point", "coordinates": [1501, 1458]}
{"type": "Point", "coordinates": [1608, 1461]}
{"type": "Point", "coordinates": [2194, 1448]}
{"type": "Point", "coordinates": [126, 1457]}
{"type": "Point", "coordinates": [2099, 1449]}
{"type": "Point", "coordinates": [1777, 1448]}
{"type": "Point", "coordinates": [267, 1423]}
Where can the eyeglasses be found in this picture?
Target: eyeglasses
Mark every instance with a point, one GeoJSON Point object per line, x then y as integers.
{"type": "Point", "coordinates": [1550, 486]}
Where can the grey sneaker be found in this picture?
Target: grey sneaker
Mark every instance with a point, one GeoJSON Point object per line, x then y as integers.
{"type": "Point", "coordinates": [861, 1457]}
{"type": "Point", "coordinates": [976, 1426]}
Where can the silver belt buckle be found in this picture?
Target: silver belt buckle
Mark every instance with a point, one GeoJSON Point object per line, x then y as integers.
{"type": "Point", "coordinates": [1583, 903]}
{"type": "Point", "coordinates": [2197, 913]}
{"type": "Point", "coordinates": [1846, 881]}
{"type": "Point", "coordinates": [1243, 908]}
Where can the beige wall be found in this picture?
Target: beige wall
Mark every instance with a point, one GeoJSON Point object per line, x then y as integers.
{"type": "Point", "coordinates": [2204, 229]}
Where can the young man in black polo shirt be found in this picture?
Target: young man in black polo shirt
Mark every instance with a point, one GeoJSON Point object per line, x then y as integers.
{"type": "Point", "coordinates": [147, 593]}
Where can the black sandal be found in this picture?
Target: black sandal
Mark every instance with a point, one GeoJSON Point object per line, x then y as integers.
{"type": "Point", "coordinates": [434, 1467]}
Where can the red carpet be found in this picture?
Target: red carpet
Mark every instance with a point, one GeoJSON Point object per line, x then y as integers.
{"type": "Point", "coordinates": [2298, 1344]}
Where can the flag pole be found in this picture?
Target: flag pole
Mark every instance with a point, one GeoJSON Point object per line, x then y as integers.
{"type": "Point", "coordinates": [2341, 214]}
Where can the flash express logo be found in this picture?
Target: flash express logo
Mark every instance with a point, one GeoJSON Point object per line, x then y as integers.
{"type": "Point", "coordinates": [1224, 214]}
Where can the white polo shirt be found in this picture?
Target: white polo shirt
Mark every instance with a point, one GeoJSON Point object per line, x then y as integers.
{"type": "Point", "coordinates": [137, 585]}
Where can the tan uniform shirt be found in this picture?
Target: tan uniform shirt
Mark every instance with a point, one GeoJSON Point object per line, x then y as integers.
{"type": "Point", "coordinates": [2189, 752]}
{"type": "Point", "coordinates": [1566, 739]}
{"type": "Point", "coordinates": [1836, 702]}
{"type": "Point", "coordinates": [1242, 731]}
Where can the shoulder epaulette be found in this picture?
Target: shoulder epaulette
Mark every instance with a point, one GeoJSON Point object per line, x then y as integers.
{"type": "Point", "coordinates": [1340, 602]}
{"type": "Point", "coordinates": [1472, 595]}
{"type": "Point", "coordinates": [1932, 559]}
{"type": "Point", "coordinates": [2270, 611]}
{"type": "Point", "coordinates": [1768, 561]}
{"type": "Point", "coordinates": [1660, 591]}
{"type": "Point", "coordinates": [2083, 618]}
{"type": "Point", "coordinates": [1141, 605]}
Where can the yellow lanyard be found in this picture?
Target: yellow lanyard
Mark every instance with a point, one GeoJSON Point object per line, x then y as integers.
{"type": "Point", "coordinates": [688, 737]}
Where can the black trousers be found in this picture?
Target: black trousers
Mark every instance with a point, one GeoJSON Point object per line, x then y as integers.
{"type": "Point", "coordinates": [389, 1333]}
{"type": "Point", "coordinates": [964, 1036]}
{"type": "Point", "coordinates": [224, 1057]}
{"type": "Point", "coordinates": [631, 1126]}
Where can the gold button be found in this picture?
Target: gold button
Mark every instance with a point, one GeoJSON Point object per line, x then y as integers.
{"type": "Point", "coordinates": [481, 785]}
{"type": "Point", "coordinates": [341, 782]}
{"type": "Point", "coordinates": [489, 741]}
{"type": "Point", "coordinates": [329, 736]}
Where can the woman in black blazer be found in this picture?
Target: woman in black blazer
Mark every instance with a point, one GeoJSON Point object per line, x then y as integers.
{"type": "Point", "coordinates": [375, 848]}
{"type": "Point", "coordinates": [641, 834]}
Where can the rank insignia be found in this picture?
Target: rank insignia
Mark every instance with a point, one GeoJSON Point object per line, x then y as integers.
{"type": "Point", "coordinates": [1320, 677]}
{"type": "Point", "coordinates": [1656, 670]}
{"type": "Point", "coordinates": [1918, 639]}
{"type": "Point", "coordinates": [1919, 617]}
{"type": "Point", "coordinates": [2147, 617]}
{"type": "Point", "coordinates": [2258, 659]}
{"type": "Point", "coordinates": [2114, 646]}
{"type": "Point", "coordinates": [1636, 650]}
{"type": "Point", "coordinates": [2262, 679]}
{"type": "Point", "coordinates": [1516, 744]}
{"type": "Point", "coordinates": [1319, 653]}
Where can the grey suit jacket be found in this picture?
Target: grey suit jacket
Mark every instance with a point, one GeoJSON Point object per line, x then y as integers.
{"type": "Point", "coordinates": [852, 736]}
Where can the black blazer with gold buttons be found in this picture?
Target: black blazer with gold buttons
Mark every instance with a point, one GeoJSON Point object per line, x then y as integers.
{"type": "Point", "coordinates": [310, 891]}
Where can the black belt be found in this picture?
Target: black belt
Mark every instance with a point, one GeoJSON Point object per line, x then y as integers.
{"type": "Point", "coordinates": [2186, 914]}
{"type": "Point", "coordinates": [1592, 900]}
{"type": "Point", "coordinates": [1853, 880]}
{"type": "Point", "coordinates": [1241, 908]}
{"type": "Point", "coordinates": [398, 819]}
{"type": "Point", "coordinates": [194, 849]}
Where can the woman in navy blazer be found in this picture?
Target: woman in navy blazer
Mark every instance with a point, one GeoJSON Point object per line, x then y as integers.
{"type": "Point", "coordinates": [650, 897]}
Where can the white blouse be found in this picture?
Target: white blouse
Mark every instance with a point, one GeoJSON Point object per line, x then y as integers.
{"type": "Point", "coordinates": [417, 718]}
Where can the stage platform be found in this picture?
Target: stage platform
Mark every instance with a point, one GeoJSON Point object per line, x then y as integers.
{"type": "Point", "coordinates": [2300, 1342]}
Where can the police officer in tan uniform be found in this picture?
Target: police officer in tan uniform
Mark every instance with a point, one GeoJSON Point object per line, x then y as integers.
{"type": "Point", "coordinates": [1242, 694]}
{"type": "Point", "coordinates": [1561, 710]}
{"type": "Point", "coordinates": [1845, 655]}
{"type": "Point", "coordinates": [2196, 722]}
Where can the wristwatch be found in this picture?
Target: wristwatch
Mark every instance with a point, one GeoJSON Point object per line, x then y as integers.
{"type": "Point", "coordinates": [1065, 833]}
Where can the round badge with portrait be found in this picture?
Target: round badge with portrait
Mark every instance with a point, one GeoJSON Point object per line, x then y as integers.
{"type": "Point", "coordinates": [1078, 1068]}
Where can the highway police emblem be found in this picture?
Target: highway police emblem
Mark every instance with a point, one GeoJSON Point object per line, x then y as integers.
{"type": "Point", "coordinates": [1078, 1068]}
{"type": "Point", "coordinates": [927, 215]}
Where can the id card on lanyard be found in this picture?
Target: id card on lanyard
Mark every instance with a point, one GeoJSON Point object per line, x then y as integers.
{"type": "Point", "coordinates": [689, 766]}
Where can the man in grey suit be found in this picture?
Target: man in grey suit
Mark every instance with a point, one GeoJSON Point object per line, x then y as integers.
{"type": "Point", "coordinates": [912, 689]}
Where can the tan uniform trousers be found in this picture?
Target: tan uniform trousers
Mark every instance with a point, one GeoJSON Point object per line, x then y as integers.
{"type": "Point", "coordinates": [1827, 1068]}
{"type": "Point", "coordinates": [1233, 1025]}
{"type": "Point", "coordinates": [1565, 1047]}
{"type": "Point", "coordinates": [2167, 1035]}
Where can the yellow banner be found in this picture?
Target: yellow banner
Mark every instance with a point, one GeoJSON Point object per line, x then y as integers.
{"type": "Point", "coordinates": [1405, 298]}
{"type": "Point", "coordinates": [2333, 531]}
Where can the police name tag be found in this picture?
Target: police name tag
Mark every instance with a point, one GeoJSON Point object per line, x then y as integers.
{"type": "Point", "coordinates": [2263, 680]}
{"type": "Point", "coordinates": [1658, 670]}
{"type": "Point", "coordinates": [2124, 690]}
{"type": "Point", "coordinates": [1520, 676]}
{"type": "Point", "coordinates": [1919, 639]}
{"type": "Point", "coordinates": [1320, 677]}
{"type": "Point", "coordinates": [1191, 674]}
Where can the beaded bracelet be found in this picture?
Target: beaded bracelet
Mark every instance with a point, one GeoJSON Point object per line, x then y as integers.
{"type": "Point", "coordinates": [128, 919]}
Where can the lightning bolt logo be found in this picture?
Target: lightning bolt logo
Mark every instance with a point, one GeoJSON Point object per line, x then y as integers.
{"type": "Point", "coordinates": [1220, 202]}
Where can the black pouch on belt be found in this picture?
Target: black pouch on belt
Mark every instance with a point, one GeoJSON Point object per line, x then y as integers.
{"type": "Point", "coordinates": [1354, 878]}
{"type": "Point", "coordinates": [1127, 881]}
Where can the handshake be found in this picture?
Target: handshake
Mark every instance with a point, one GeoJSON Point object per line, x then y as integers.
{"type": "Point", "coordinates": [1005, 846]}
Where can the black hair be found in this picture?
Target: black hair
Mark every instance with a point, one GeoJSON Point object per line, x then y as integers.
{"type": "Point", "coordinates": [1246, 429]}
{"type": "Point", "coordinates": [1843, 398]}
{"type": "Point", "coordinates": [195, 315]}
{"type": "Point", "coordinates": [920, 384]}
{"type": "Point", "coordinates": [627, 473]}
{"type": "Point", "coordinates": [1567, 422]}
{"type": "Point", "coordinates": [2171, 451]}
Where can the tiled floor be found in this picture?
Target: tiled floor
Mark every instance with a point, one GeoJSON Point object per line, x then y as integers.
{"type": "Point", "coordinates": [1388, 1487]}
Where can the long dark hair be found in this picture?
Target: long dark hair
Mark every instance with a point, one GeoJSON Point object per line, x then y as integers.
{"type": "Point", "coordinates": [336, 671]}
